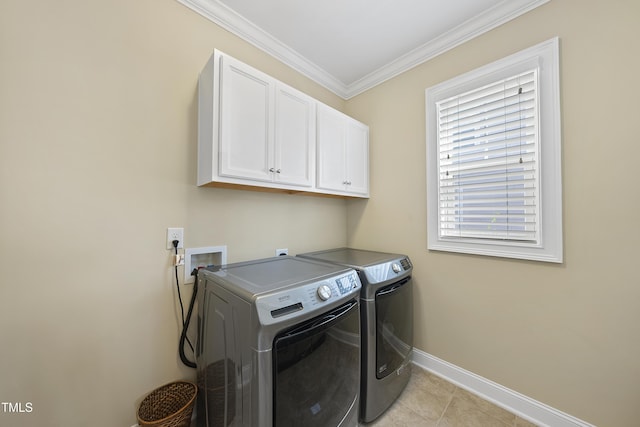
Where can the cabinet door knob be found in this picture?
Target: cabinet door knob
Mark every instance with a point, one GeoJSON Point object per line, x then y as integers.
{"type": "Point", "coordinates": [271, 169]}
{"type": "Point", "coordinates": [278, 170]}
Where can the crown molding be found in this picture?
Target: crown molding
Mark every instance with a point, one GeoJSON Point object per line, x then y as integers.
{"type": "Point", "coordinates": [246, 30]}
{"type": "Point", "coordinates": [231, 21]}
{"type": "Point", "coordinates": [480, 24]}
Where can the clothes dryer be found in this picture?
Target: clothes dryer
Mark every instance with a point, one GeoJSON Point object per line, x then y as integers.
{"type": "Point", "coordinates": [386, 308]}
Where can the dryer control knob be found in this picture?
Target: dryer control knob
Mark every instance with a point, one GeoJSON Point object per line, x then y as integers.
{"type": "Point", "coordinates": [324, 292]}
{"type": "Point", "coordinates": [396, 268]}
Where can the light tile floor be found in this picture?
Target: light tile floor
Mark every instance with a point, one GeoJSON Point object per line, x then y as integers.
{"type": "Point", "coordinates": [430, 401]}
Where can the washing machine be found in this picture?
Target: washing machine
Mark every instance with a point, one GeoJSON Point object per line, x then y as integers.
{"type": "Point", "coordinates": [278, 344]}
{"type": "Point", "coordinates": [386, 307]}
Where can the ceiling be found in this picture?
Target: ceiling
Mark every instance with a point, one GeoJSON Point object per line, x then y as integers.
{"type": "Point", "coordinates": [349, 46]}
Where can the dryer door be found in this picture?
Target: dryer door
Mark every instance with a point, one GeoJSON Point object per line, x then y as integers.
{"type": "Point", "coordinates": [394, 326]}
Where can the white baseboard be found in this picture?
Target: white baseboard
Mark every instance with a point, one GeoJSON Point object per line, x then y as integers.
{"type": "Point", "coordinates": [519, 404]}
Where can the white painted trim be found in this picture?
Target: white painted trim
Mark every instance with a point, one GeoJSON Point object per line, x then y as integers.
{"type": "Point", "coordinates": [246, 30]}
{"type": "Point", "coordinates": [249, 32]}
{"type": "Point", "coordinates": [490, 19]}
{"type": "Point", "coordinates": [514, 402]}
{"type": "Point", "coordinates": [545, 57]}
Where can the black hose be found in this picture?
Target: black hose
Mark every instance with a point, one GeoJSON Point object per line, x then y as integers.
{"type": "Point", "coordinates": [183, 335]}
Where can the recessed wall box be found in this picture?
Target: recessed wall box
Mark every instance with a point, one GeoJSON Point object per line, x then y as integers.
{"type": "Point", "coordinates": [202, 257]}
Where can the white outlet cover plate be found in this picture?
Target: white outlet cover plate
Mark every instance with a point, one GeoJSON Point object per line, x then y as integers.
{"type": "Point", "coordinates": [175, 234]}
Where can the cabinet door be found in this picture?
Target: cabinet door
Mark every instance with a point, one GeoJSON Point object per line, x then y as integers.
{"type": "Point", "coordinates": [357, 161]}
{"type": "Point", "coordinates": [294, 137]}
{"type": "Point", "coordinates": [245, 121]}
{"type": "Point", "coordinates": [331, 149]}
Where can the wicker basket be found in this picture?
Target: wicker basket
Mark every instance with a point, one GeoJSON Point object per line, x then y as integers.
{"type": "Point", "coordinates": [168, 406]}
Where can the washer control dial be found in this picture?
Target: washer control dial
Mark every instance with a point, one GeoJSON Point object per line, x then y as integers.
{"type": "Point", "coordinates": [324, 292]}
{"type": "Point", "coordinates": [396, 268]}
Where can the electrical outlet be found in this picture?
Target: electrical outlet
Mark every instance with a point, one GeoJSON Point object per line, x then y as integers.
{"type": "Point", "coordinates": [175, 234]}
{"type": "Point", "coordinates": [282, 252]}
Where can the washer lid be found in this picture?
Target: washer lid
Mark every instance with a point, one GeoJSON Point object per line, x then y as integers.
{"type": "Point", "coordinates": [263, 276]}
{"type": "Point", "coordinates": [374, 267]}
{"type": "Point", "coordinates": [355, 258]}
{"type": "Point", "coordinates": [283, 289]}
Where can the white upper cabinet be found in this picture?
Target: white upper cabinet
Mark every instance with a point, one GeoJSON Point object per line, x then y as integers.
{"type": "Point", "coordinates": [246, 116]}
{"type": "Point", "coordinates": [294, 156]}
{"type": "Point", "coordinates": [343, 153]}
{"type": "Point", "coordinates": [252, 129]}
{"type": "Point", "coordinates": [256, 132]}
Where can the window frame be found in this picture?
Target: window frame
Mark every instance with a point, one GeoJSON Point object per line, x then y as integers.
{"type": "Point", "coordinates": [549, 247]}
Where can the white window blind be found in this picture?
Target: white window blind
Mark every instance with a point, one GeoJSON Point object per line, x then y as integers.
{"type": "Point", "coordinates": [488, 146]}
{"type": "Point", "coordinates": [494, 158]}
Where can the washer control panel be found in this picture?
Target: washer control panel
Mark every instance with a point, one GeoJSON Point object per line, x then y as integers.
{"type": "Point", "coordinates": [348, 283]}
{"type": "Point", "coordinates": [324, 292]}
{"type": "Point", "coordinates": [294, 301]}
{"type": "Point", "coordinates": [333, 288]}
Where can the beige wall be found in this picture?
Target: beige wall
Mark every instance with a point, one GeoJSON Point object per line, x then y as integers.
{"type": "Point", "coordinates": [567, 335]}
{"type": "Point", "coordinates": [97, 158]}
